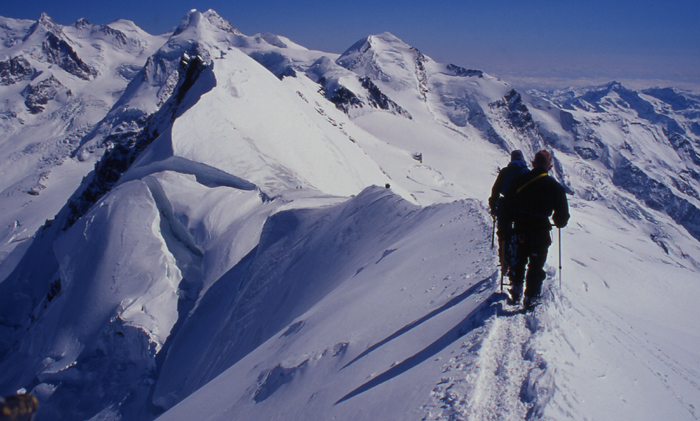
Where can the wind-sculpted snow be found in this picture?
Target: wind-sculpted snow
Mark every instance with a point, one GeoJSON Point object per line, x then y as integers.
{"type": "Point", "coordinates": [204, 174]}
{"type": "Point", "coordinates": [108, 308]}
{"type": "Point", "coordinates": [359, 248]}
{"type": "Point", "coordinates": [127, 146]}
{"type": "Point", "coordinates": [301, 258]}
{"type": "Point", "coordinates": [278, 282]}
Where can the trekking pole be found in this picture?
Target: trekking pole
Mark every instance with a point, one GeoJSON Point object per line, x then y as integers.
{"type": "Point", "coordinates": [501, 261]}
{"type": "Point", "coordinates": [502, 276]}
{"type": "Point", "coordinates": [559, 258]}
{"type": "Point", "coordinates": [493, 230]}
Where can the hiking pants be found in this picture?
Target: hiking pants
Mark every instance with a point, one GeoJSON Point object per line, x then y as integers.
{"type": "Point", "coordinates": [532, 251]}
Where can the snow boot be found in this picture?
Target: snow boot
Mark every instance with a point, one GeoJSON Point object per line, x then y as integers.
{"type": "Point", "coordinates": [530, 303]}
{"type": "Point", "coordinates": [514, 295]}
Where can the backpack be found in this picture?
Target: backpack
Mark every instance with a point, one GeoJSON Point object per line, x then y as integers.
{"type": "Point", "coordinates": [513, 170]}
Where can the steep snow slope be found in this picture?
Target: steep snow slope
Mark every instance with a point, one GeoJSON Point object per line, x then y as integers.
{"type": "Point", "coordinates": [622, 333]}
{"type": "Point", "coordinates": [359, 264]}
{"type": "Point", "coordinates": [223, 130]}
{"type": "Point", "coordinates": [226, 259]}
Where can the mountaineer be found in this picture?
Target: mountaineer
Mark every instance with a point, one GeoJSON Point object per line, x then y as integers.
{"type": "Point", "coordinates": [529, 202]}
{"type": "Point", "coordinates": [506, 175]}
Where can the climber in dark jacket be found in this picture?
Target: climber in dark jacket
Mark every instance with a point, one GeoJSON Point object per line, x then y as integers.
{"type": "Point", "coordinates": [506, 175]}
{"type": "Point", "coordinates": [529, 202]}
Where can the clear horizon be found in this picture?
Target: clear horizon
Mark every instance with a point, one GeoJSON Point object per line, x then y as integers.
{"type": "Point", "coordinates": [541, 44]}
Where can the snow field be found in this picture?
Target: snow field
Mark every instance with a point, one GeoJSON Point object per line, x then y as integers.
{"type": "Point", "coordinates": [602, 331]}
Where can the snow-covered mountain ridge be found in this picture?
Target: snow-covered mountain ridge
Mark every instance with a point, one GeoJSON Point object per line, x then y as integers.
{"type": "Point", "coordinates": [205, 224]}
{"type": "Point", "coordinates": [57, 83]}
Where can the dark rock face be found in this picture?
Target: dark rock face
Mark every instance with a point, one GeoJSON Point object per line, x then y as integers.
{"type": "Point", "coordinates": [455, 70]}
{"type": "Point", "coordinates": [658, 196]}
{"type": "Point", "coordinates": [15, 70]}
{"type": "Point", "coordinates": [683, 145]}
{"type": "Point", "coordinates": [519, 114]}
{"type": "Point", "coordinates": [60, 53]}
{"type": "Point", "coordinates": [379, 100]}
{"type": "Point", "coordinates": [421, 74]}
{"type": "Point", "coordinates": [344, 99]}
{"type": "Point", "coordinates": [695, 128]}
{"type": "Point", "coordinates": [37, 96]}
{"type": "Point", "coordinates": [120, 39]}
{"type": "Point", "coordinates": [587, 153]}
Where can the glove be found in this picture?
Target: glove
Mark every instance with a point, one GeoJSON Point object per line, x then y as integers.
{"type": "Point", "coordinates": [493, 204]}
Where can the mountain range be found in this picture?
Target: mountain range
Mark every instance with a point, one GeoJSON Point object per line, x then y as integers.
{"type": "Point", "coordinates": [209, 224]}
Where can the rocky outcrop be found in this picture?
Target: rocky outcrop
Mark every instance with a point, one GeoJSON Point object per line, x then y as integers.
{"type": "Point", "coordinates": [15, 70]}
{"type": "Point", "coordinates": [38, 96]}
{"type": "Point", "coordinates": [516, 111]}
{"type": "Point", "coordinates": [379, 100]}
{"type": "Point", "coordinates": [60, 53]}
{"type": "Point", "coordinates": [454, 70]}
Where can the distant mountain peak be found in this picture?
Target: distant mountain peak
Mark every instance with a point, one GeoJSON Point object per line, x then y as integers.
{"type": "Point", "coordinates": [615, 86]}
{"type": "Point", "coordinates": [51, 45]}
{"type": "Point", "coordinates": [44, 24]}
{"type": "Point", "coordinates": [82, 23]}
{"type": "Point", "coordinates": [194, 19]}
{"type": "Point", "coordinates": [371, 42]}
{"type": "Point", "coordinates": [386, 58]}
{"type": "Point", "coordinates": [386, 37]}
{"type": "Point", "coordinates": [46, 21]}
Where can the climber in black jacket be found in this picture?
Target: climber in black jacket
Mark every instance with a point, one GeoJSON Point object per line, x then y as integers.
{"type": "Point", "coordinates": [516, 167]}
{"type": "Point", "coordinates": [531, 199]}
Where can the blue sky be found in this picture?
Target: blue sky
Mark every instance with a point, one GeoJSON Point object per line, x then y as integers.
{"type": "Point", "coordinates": [528, 43]}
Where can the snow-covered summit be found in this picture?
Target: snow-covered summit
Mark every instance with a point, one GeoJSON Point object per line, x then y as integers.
{"type": "Point", "coordinates": [193, 21]}
{"type": "Point", "coordinates": [379, 56]}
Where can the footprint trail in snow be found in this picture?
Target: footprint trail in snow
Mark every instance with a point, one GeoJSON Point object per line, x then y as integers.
{"type": "Point", "coordinates": [496, 375]}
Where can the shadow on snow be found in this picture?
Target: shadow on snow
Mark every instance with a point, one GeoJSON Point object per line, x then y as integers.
{"type": "Point", "coordinates": [474, 320]}
{"type": "Point", "coordinates": [474, 289]}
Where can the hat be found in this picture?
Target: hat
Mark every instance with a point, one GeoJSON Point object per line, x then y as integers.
{"type": "Point", "coordinates": [517, 155]}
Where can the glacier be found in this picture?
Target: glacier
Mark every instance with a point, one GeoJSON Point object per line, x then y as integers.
{"type": "Point", "coordinates": [214, 225]}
